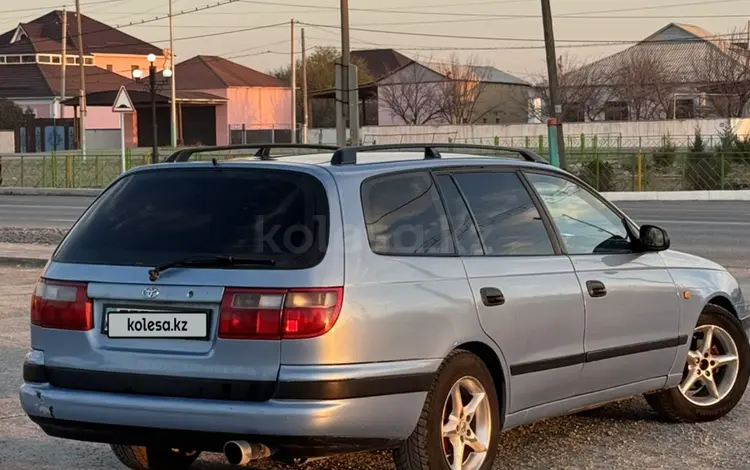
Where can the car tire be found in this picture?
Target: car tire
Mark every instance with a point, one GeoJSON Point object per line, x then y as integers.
{"type": "Point", "coordinates": [427, 448]}
{"type": "Point", "coordinates": [702, 402]}
{"type": "Point", "coordinates": [154, 458]}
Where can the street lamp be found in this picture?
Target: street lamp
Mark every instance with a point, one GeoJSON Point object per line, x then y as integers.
{"type": "Point", "coordinates": [152, 87]}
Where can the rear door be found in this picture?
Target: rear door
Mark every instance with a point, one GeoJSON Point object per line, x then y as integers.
{"type": "Point", "coordinates": [526, 292]}
{"type": "Point", "coordinates": [214, 322]}
{"type": "Point", "coordinates": [632, 305]}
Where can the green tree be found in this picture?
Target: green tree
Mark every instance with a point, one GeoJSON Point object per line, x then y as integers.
{"type": "Point", "coordinates": [321, 75]}
{"type": "Point", "coordinates": [706, 170]}
{"type": "Point", "coordinates": [11, 115]}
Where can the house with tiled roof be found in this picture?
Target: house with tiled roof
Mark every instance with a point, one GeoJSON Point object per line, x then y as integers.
{"type": "Point", "coordinates": [413, 92]}
{"type": "Point", "coordinates": [257, 106]}
{"type": "Point", "coordinates": [679, 72]}
{"type": "Point", "coordinates": [31, 66]}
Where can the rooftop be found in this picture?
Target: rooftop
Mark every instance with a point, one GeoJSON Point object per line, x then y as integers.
{"type": "Point", "coordinates": [204, 72]}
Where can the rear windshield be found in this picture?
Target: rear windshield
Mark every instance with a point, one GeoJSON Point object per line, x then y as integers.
{"type": "Point", "coordinates": [155, 217]}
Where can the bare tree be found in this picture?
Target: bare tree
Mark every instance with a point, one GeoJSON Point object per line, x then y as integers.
{"type": "Point", "coordinates": [412, 94]}
{"type": "Point", "coordinates": [462, 90]}
{"type": "Point", "coordinates": [642, 80]}
{"type": "Point", "coordinates": [723, 73]}
{"type": "Point", "coordinates": [582, 93]}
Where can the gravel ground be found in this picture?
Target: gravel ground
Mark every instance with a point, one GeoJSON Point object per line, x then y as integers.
{"type": "Point", "coordinates": [36, 236]}
{"type": "Point", "coordinates": [623, 435]}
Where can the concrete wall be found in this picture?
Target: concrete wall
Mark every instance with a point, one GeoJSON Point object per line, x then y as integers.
{"type": "Point", "coordinates": [102, 139]}
{"type": "Point", "coordinates": [260, 107]}
{"type": "Point", "coordinates": [7, 141]}
{"type": "Point", "coordinates": [625, 133]}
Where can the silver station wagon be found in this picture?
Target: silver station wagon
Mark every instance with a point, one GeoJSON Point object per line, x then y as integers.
{"type": "Point", "coordinates": [419, 298]}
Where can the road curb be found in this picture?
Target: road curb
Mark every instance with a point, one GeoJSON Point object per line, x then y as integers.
{"type": "Point", "coordinates": [737, 195]}
{"type": "Point", "coordinates": [86, 192]}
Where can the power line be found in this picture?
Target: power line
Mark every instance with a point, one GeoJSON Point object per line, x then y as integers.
{"type": "Point", "coordinates": [47, 7]}
{"type": "Point", "coordinates": [511, 39]}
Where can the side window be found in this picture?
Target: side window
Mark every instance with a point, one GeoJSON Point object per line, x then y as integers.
{"type": "Point", "coordinates": [586, 224]}
{"type": "Point", "coordinates": [404, 216]}
{"type": "Point", "coordinates": [508, 220]}
{"type": "Point", "coordinates": [463, 226]}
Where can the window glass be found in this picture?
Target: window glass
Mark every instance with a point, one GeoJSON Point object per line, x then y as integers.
{"type": "Point", "coordinates": [586, 224]}
{"type": "Point", "coordinates": [404, 215]}
{"type": "Point", "coordinates": [507, 217]}
{"type": "Point", "coordinates": [153, 217]}
{"type": "Point", "coordinates": [463, 226]}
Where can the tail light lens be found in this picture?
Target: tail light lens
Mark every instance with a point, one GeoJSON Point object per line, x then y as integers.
{"type": "Point", "coordinates": [61, 305]}
{"type": "Point", "coordinates": [279, 314]}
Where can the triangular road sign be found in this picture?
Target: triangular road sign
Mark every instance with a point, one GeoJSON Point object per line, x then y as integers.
{"type": "Point", "coordinates": [122, 103]}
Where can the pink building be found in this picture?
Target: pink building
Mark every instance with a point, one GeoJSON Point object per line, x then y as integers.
{"type": "Point", "coordinates": [257, 108]}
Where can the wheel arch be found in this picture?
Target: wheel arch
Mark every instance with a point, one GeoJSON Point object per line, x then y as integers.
{"type": "Point", "coordinates": [721, 300]}
{"type": "Point", "coordinates": [491, 359]}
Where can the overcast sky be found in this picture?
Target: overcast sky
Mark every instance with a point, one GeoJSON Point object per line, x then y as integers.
{"type": "Point", "coordinates": [509, 43]}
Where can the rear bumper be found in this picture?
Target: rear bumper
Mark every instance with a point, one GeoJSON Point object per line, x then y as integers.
{"type": "Point", "coordinates": [343, 408]}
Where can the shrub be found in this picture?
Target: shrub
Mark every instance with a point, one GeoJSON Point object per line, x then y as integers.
{"type": "Point", "coordinates": [664, 156]}
{"type": "Point", "coordinates": [703, 169]}
{"type": "Point", "coordinates": [598, 173]}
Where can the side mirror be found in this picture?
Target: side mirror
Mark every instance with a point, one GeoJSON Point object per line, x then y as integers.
{"type": "Point", "coordinates": [653, 238]}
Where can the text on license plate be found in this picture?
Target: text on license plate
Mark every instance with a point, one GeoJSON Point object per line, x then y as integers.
{"type": "Point", "coordinates": [157, 325]}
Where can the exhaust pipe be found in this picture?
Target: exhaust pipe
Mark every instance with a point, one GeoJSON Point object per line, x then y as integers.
{"type": "Point", "coordinates": [241, 453]}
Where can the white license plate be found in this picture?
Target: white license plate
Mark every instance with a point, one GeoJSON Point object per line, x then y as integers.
{"type": "Point", "coordinates": [157, 325]}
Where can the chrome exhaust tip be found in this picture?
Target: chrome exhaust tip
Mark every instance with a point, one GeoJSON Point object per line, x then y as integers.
{"type": "Point", "coordinates": [241, 453]}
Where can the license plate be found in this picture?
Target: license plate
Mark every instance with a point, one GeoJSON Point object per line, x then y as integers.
{"type": "Point", "coordinates": [191, 325]}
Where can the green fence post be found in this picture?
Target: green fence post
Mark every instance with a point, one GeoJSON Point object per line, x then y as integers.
{"type": "Point", "coordinates": [583, 143]}
{"type": "Point", "coordinates": [22, 164]}
{"type": "Point", "coordinates": [527, 142]}
{"type": "Point", "coordinates": [597, 173]}
{"type": "Point", "coordinates": [497, 140]}
{"type": "Point", "coordinates": [541, 144]}
{"type": "Point", "coordinates": [54, 169]}
{"type": "Point", "coordinates": [554, 158]}
{"type": "Point", "coordinates": [721, 162]}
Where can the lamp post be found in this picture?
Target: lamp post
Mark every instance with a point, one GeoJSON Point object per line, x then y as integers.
{"type": "Point", "coordinates": [152, 87]}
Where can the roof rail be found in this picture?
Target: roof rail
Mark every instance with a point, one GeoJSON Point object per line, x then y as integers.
{"type": "Point", "coordinates": [264, 150]}
{"type": "Point", "coordinates": [348, 155]}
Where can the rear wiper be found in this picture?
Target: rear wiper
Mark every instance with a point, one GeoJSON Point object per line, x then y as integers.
{"type": "Point", "coordinates": [208, 262]}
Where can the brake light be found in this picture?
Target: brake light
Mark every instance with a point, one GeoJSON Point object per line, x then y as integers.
{"type": "Point", "coordinates": [279, 314]}
{"type": "Point", "coordinates": [61, 305]}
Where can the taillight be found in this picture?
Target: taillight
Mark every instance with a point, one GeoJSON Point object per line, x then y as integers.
{"type": "Point", "coordinates": [61, 305]}
{"type": "Point", "coordinates": [279, 314]}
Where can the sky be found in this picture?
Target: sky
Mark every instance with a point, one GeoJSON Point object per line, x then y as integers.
{"type": "Point", "coordinates": [504, 33]}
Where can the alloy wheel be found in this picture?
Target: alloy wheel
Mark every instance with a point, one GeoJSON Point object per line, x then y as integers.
{"type": "Point", "coordinates": [712, 367]}
{"type": "Point", "coordinates": [466, 425]}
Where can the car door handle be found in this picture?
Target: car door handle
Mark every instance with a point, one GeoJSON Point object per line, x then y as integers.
{"type": "Point", "coordinates": [596, 288]}
{"type": "Point", "coordinates": [492, 297]}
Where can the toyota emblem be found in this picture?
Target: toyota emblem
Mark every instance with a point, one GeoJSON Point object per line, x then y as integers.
{"type": "Point", "coordinates": [151, 292]}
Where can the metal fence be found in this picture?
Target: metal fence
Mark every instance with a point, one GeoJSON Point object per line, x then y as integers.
{"type": "Point", "coordinates": [606, 170]}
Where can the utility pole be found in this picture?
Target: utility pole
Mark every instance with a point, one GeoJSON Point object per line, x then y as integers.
{"type": "Point", "coordinates": [82, 91]}
{"type": "Point", "coordinates": [294, 90]}
{"type": "Point", "coordinates": [554, 106]}
{"type": "Point", "coordinates": [82, 95]}
{"type": "Point", "coordinates": [345, 60]}
{"type": "Point", "coordinates": [173, 100]}
{"type": "Point", "coordinates": [305, 113]}
{"type": "Point", "coordinates": [64, 54]}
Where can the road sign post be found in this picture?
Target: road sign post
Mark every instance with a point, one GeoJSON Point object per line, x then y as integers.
{"type": "Point", "coordinates": [123, 105]}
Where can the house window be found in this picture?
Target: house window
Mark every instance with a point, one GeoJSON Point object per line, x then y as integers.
{"type": "Point", "coordinates": [44, 59]}
{"type": "Point", "coordinates": [110, 67]}
{"type": "Point", "coordinates": [56, 59]}
{"type": "Point", "coordinates": [497, 120]}
{"type": "Point", "coordinates": [88, 60]}
{"type": "Point", "coordinates": [573, 112]}
{"type": "Point", "coordinates": [71, 60]}
{"type": "Point", "coordinates": [13, 59]}
{"type": "Point", "coordinates": [134, 67]}
{"type": "Point", "coordinates": [616, 111]}
{"type": "Point", "coordinates": [685, 109]}
{"type": "Point", "coordinates": [28, 59]}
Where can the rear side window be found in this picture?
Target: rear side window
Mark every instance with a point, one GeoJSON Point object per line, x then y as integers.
{"type": "Point", "coordinates": [508, 220]}
{"type": "Point", "coordinates": [153, 217]}
{"type": "Point", "coordinates": [465, 231]}
{"type": "Point", "coordinates": [404, 215]}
